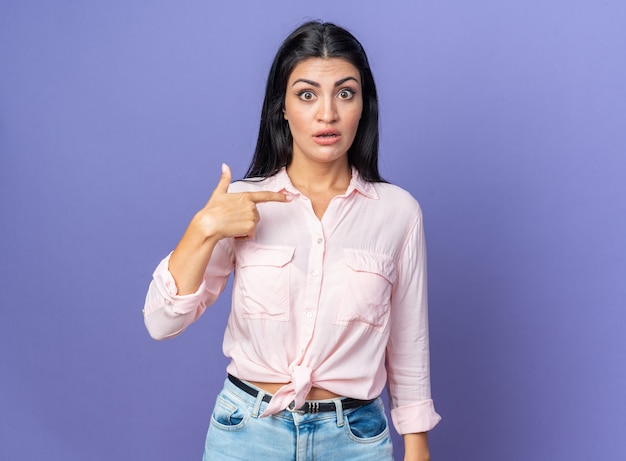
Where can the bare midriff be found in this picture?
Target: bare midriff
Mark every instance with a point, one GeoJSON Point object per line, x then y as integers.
{"type": "Point", "coordinates": [314, 394]}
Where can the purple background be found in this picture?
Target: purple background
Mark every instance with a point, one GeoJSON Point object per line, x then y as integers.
{"type": "Point", "coordinates": [506, 119]}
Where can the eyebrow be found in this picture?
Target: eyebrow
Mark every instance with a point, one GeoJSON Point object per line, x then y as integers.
{"type": "Point", "coordinates": [317, 85]}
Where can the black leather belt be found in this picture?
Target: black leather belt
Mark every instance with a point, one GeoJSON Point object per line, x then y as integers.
{"type": "Point", "coordinates": [311, 406]}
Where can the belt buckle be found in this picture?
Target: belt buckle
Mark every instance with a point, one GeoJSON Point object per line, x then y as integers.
{"type": "Point", "coordinates": [291, 408]}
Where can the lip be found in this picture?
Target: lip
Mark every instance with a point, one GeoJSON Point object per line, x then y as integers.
{"type": "Point", "coordinates": [327, 137]}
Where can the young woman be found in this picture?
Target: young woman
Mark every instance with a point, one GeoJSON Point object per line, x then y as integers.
{"type": "Point", "coordinates": [329, 300]}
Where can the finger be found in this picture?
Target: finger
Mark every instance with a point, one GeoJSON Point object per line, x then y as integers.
{"type": "Point", "coordinates": [268, 196]}
{"type": "Point", "coordinates": [222, 185]}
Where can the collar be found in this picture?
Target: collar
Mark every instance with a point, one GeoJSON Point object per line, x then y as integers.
{"type": "Point", "coordinates": [280, 181]}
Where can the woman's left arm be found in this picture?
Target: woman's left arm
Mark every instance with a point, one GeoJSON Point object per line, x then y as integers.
{"type": "Point", "coordinates": [416, 447]}
{"type": "Point", "coordinates": [408, 358]}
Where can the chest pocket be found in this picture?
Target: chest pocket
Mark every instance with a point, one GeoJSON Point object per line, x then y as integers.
{"type": "Point", "coordinates": [367, 285]}
{"type": "Point", "coordinates": [262, 281]}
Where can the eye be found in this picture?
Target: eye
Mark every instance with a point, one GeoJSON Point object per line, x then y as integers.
{"type": "Point", "coordinates": [346, 93]}
{"type": "Point", "coordinates": [306, 95]}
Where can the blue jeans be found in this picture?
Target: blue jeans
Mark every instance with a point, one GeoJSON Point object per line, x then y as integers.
{"type": "Point", "coordinates": [237, 433]}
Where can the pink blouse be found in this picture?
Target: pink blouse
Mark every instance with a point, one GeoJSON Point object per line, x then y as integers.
{"type": "Point", "coordinates": [338, 303]}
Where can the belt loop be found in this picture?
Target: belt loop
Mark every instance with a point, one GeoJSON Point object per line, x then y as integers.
{"type": "Point", "coordinates": [339, 410]}
{"type": "Point", "coordinates": [256, 410]}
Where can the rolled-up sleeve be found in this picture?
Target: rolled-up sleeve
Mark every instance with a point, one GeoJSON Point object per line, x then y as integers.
{"type": "Point", "coordinates": [167, 314]}
{"type": "Point", "coordinates": [408, 354]}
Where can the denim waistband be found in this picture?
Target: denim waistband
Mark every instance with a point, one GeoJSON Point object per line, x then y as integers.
{"type": "Point", "coordinates": [258, 403]}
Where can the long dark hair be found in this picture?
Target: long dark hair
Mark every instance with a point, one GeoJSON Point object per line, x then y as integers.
{"type": "Point", "coordinates": [315, 39]}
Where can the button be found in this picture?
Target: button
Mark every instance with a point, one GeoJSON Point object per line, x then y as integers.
{"type": "Point", "coordinates": [309, 315]}
{"type": "Point", "coordinates": [320, 240]}
{"type": "Point", "coordinates": [315, 273]}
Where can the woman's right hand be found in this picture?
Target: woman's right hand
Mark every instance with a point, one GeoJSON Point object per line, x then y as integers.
{"type": "Point", "coordinates": [224, 215]}
{"type": "Point", "coordinates": [231, 215]}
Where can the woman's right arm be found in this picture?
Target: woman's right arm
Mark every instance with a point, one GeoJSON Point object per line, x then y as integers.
{"type": "Point", "coordinates": [185, 283]}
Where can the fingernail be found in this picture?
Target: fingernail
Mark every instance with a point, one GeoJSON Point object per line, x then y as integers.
{"type": "Point", "coordinates": [224, 168]}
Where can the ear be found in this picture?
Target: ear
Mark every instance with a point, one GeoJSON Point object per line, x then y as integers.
{"type": "Point", "coordinates": [285, 114]}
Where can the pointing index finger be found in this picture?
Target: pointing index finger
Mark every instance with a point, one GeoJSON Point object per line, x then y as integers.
{"type": "Point", "coordinates": [269, 196]}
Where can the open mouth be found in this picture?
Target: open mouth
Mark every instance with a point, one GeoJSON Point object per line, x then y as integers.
{"type": "Point", "coordinates": [327, 134]}
{"type": "Point", "coordinates": [327, 137]}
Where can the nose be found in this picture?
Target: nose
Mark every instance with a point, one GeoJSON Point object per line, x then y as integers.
{"type": "Point", "coordinates": [327, 110]}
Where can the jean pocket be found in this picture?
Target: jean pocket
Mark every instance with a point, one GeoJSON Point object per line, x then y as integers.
{"type": "Point", "coordinates": [262, 281]}
{"type": "Point", "coordinates": [228, 415]}
{"type": "Point", "coordinates": [367, 287]}
{"type": "Point", "coordinates": [367, 424]}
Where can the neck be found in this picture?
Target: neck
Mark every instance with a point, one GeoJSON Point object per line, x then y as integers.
{"type": "Point", "coordinates": [320, 178]}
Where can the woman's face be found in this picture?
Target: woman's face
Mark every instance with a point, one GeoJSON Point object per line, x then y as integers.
{"type": "Point", "coordinates": [323, 105]}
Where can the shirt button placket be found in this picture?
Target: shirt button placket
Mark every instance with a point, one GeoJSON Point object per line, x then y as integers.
{"type": "Point", "coordinates": [313, 286]}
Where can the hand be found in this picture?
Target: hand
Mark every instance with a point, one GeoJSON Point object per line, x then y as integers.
{"type": "Point", "coordinates": [224, 215]}
{"type": "Point", "coordinates": [232, 214]}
